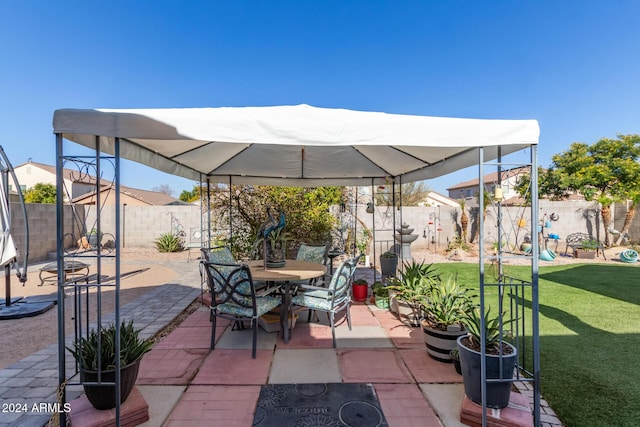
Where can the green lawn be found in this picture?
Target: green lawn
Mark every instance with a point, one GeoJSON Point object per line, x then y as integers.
{"type": "Point", "coordinates": [589, 339]}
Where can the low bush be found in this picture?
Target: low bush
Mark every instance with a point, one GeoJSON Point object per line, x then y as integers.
{"type": "Point", "coordinates": [169, 242]}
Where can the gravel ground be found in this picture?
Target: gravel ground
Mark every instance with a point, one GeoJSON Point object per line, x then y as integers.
{"type": "Point", "coordinates": [21, 337]}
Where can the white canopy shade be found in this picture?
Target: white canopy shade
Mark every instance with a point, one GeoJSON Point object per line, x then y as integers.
{"type": "Point", "coordinates": [294, 145]}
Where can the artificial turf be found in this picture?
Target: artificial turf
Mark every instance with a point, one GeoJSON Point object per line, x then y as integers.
{"type": "Point", "coordinates": [589, 339]}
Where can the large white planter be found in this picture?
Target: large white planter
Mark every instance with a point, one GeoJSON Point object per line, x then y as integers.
{"type": "Point", "coordinates": [408, 314]}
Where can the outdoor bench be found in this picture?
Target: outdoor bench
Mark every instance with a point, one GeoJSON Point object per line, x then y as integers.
{"type": "Point", "coordinates": [574, 240]}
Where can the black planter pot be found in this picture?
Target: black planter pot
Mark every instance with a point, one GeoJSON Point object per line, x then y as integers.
{"type": "Point", "coordinates": [388, 266]}
{"type": "Point", "coordinates": [104, 397]}
{"type": "Point", "coordinates": [440, 343]}
{"type": "Point", "coordinates": [497, 392]}
{"type": "Point", "coordinates": [456, 364]}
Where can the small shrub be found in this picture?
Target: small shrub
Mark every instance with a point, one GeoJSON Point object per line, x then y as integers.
{"type": "Point", "coordinates": [380, 290]}
{"type": "Point", "coordinates": [169, 242]}
{"type": "Point", "coordinates": [457, 243]}
{"type": "Point", "coordinates": [589, 244]}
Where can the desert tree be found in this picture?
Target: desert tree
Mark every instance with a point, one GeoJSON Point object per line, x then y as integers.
{"type": "Point", "coordinates": [606, 172]}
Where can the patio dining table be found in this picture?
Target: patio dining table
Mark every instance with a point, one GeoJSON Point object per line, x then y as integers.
{"type": "Point", "coordinates": [293, 271]}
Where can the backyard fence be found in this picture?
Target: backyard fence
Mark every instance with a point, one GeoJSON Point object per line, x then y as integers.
{"type": "Point", "coordinates": [435, 226]}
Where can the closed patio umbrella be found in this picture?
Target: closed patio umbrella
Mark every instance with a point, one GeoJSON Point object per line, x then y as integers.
{"type": "Point", "coordinates": [8, 248]}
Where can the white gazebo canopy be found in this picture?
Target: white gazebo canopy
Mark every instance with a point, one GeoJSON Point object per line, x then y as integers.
{"type": "Point", "coordinates": [294, 145]}
{"type": "Point", "coordinates": [301, 146]}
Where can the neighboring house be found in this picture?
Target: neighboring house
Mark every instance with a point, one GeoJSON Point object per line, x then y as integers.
{"type": "Point", "coordinates": [437, 199]}
{"type": "Point", "coordinates": [510, 178]}
{"type": "Point", "coordinates": [31, 173]}
{"type": "Point", "coordinates": [82, 186]}
{"type": "Point", "coordinates": [508, 181]}
{"type": "Point", "coordinates": [128, 196]}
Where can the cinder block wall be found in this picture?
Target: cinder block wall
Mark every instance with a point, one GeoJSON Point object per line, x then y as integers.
{"type": "Point", "coordinates": [141, 225]}
{"type": "Point", "coordinates": [42, 228]}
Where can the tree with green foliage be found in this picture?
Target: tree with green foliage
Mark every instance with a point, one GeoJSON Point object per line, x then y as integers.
{"type": "Point", "coordinates": [411, 194]}
{"type": "Point", "coordinates": [41, 193]}
{"type": "Point", "coordinates": [606, 171]}
{"type": "Point", "coordinates": [190, 196]}
{"type": "Point", "coordinates": [306, 210]}
{"type": "Point", "coordinates": [550, 185]}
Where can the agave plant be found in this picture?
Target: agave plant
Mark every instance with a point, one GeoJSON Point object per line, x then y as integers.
{"type": "Point", "coordinates": [86, 351]}
{"type": "Point", "coordinates": [169, 242]}
{"type": "Point", "coordinates": [448, 303]}
{"type": "Point", "coordinates": [493, 328]}
{"type": "Point", "coordinates": [415, 282]}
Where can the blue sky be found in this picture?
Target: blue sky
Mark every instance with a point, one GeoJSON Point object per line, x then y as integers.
{"type": "Point", "coordinates": [573, 65]}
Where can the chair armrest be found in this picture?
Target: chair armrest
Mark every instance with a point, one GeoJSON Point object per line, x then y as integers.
{"type": "Point", "coordinates": [314, 288]}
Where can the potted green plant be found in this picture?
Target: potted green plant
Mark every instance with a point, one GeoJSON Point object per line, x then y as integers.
{"type": "Point", "coordinates": [94, 238]}
{"type": "Point", "coordinates": [586, 249]}
{"type": "Point", "coordinates": [410, 289]}
{"type": "Point", "coordinates": [500, 358]}
{"type": "Point", "coordinates": [388, 264]}
{"type": "Point", "coordinates": [381, 295]}
{"type": "Point", "coordinates": [362, 244]}
{"type": "Point", "coordinates": [445, 308]}
{"type": "Point", "coordinates": [96, 356]}
{"type": "Point", "coordinates": [360, 289]}
{"type": "Point", "coordinates": [275, 248]}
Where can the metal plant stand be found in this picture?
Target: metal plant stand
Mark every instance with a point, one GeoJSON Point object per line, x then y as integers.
{"type": "Point", "coordinates": [89, 292]}
{"type": "Point", "coordinates": [516, 297]}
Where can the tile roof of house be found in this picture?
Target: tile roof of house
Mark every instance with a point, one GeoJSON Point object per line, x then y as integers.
{"type": "Point", "coordinates": [491, 178]}
{"type": "Point", "coordinates": [69, 174]}
{"type": "Point", "coordinates": [153, 198]}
